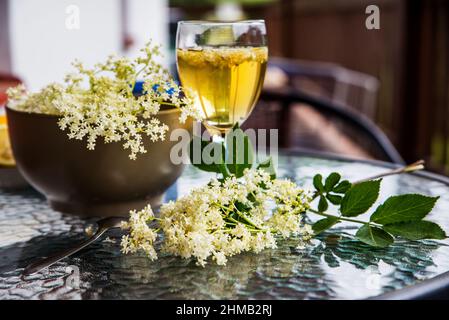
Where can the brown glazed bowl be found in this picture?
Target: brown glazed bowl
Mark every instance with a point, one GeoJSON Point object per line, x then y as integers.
{"type": "Point", "coordinates": [100, 182]}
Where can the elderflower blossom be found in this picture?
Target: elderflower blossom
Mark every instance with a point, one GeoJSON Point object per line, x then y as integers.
{"type": "Point", "coordinates": [141, 236]}
{"type": "Point", "coordinates": [290, 201]}
{"type": "Point", "coordinates": [226, 218]}
{"type": "Point", "coordinates": [99, 102]}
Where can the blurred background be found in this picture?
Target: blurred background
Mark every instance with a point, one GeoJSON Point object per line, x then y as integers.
{"type": "Point", "coordinates": [333, 85]}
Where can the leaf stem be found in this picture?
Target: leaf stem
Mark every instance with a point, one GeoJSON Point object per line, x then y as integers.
{"type": "Point", "coordinates": [248, 221]}
{"type": "Point", "coordinates": [245, 218]}
{"type": "Point", "coordinates": [338, 217]}
{"type": "Point", "coordinates": [135, 77]}
{"type": "Point", "coordinates": [415, 166]}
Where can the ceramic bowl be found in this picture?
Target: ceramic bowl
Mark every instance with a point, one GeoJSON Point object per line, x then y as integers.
{"type": "Point", "coordinates": [100, 182]}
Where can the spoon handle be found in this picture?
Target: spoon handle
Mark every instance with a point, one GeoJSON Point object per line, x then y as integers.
{"type": "Point", "coordinates": [46, 262]}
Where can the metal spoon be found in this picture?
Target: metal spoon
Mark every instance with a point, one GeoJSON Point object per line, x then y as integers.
{"type": "Point", "coordinates": [103, 226]}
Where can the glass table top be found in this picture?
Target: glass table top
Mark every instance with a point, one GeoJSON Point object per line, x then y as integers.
{"type": "Point", "coordinates": [332, 266]}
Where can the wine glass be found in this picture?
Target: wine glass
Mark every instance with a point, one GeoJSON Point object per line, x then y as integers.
{"type": "Point", "coordinates": [223, 65]}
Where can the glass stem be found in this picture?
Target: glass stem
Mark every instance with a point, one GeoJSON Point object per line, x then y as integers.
{"type": "Point", "coordinates": [221, 139]}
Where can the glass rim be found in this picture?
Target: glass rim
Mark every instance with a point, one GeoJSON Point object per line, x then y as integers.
{"type": "Point", "coordinates": [223, 23]}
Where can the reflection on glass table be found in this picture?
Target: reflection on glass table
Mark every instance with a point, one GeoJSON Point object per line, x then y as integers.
{"type": "Point", "coordinates": [333, 266]}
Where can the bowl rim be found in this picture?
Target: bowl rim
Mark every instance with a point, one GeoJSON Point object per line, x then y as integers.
{"type": "Point", "coordinates": [53, 116]}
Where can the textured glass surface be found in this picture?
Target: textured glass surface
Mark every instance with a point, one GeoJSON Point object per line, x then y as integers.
{"type": "Point", "coordinates": [332, 266]}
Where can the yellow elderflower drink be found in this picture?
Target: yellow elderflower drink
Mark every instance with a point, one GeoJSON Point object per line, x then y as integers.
{"type": "Point", "coordinates": [224, 82]}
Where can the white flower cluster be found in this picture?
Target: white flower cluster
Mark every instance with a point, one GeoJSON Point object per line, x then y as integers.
{"type": "Point", "coordinates": [141, 236]}
{"type": "Point", "coordinates": [224, 219]}
{"type": "Point", "coordinates": [99, 102]}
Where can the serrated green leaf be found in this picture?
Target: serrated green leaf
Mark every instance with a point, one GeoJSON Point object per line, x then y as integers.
{"type": "Point", "coordinates": [206, 155]}
{"type": "Point", "coordinates": [240, 152]}
{"type": "Point", "coordinates": [324, 224]}
{"type": "Point", "coordinates": [334, 199]}
{"type": "Point", "coordinates": [318, 182]}
{"type": "Point", "coordinates": [331, 181]}
{"type": "Point", "coordinates": [268, 166]}
{"type": "Point", "coordinates": [342, 187]}
{"type": "Point", "coordinates": [322, 204]}
{"type": "Point", "coordinates": [374, 236]}
{"type": "Point", "coordinates": [403, 208]}
{"type": "Point", "coordinates": [360, 198]}
{"type": "Point", "coordinates": [416, 230]}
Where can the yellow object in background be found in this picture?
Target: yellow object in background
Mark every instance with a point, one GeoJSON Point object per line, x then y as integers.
{"type": "Point", "coordinates": [6, 157]}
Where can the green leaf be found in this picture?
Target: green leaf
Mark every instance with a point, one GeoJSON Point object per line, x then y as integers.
{"type": "Point", "coordinates": [331, 181]}
{"type": "Point", "coordinates": [268, 166]}
{"type": "Point", "coordinates": [416, 230]}
{"type": "Point", "coordinates": [342, 187]}
{"type": "Point", "coordinates": [322, 204]}
{"type": "Point", "coordinates": [374, 236]}
{"type": "Point", "coordinates": [240, 152]}
{"type": "Point", "coordinates": [324, 224]}
{"type": "Point", "coordinates": [318, 182]}
{"type": "Point", "coordinates": [403, 208]}
{"type": "Point", "coordinates": [206, 155]}
{"type": "Point", "coordinates": [334, 199]}
{"type": "Point", "coordinates": [360, 198]}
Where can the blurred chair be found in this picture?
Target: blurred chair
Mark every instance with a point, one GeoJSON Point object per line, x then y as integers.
{"type": "Point", "coordinates": [316, 124]}
{"type": "Point", "coordinates": [322, 107]}
{"type": "Point", "coordinates": [340, 85]}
